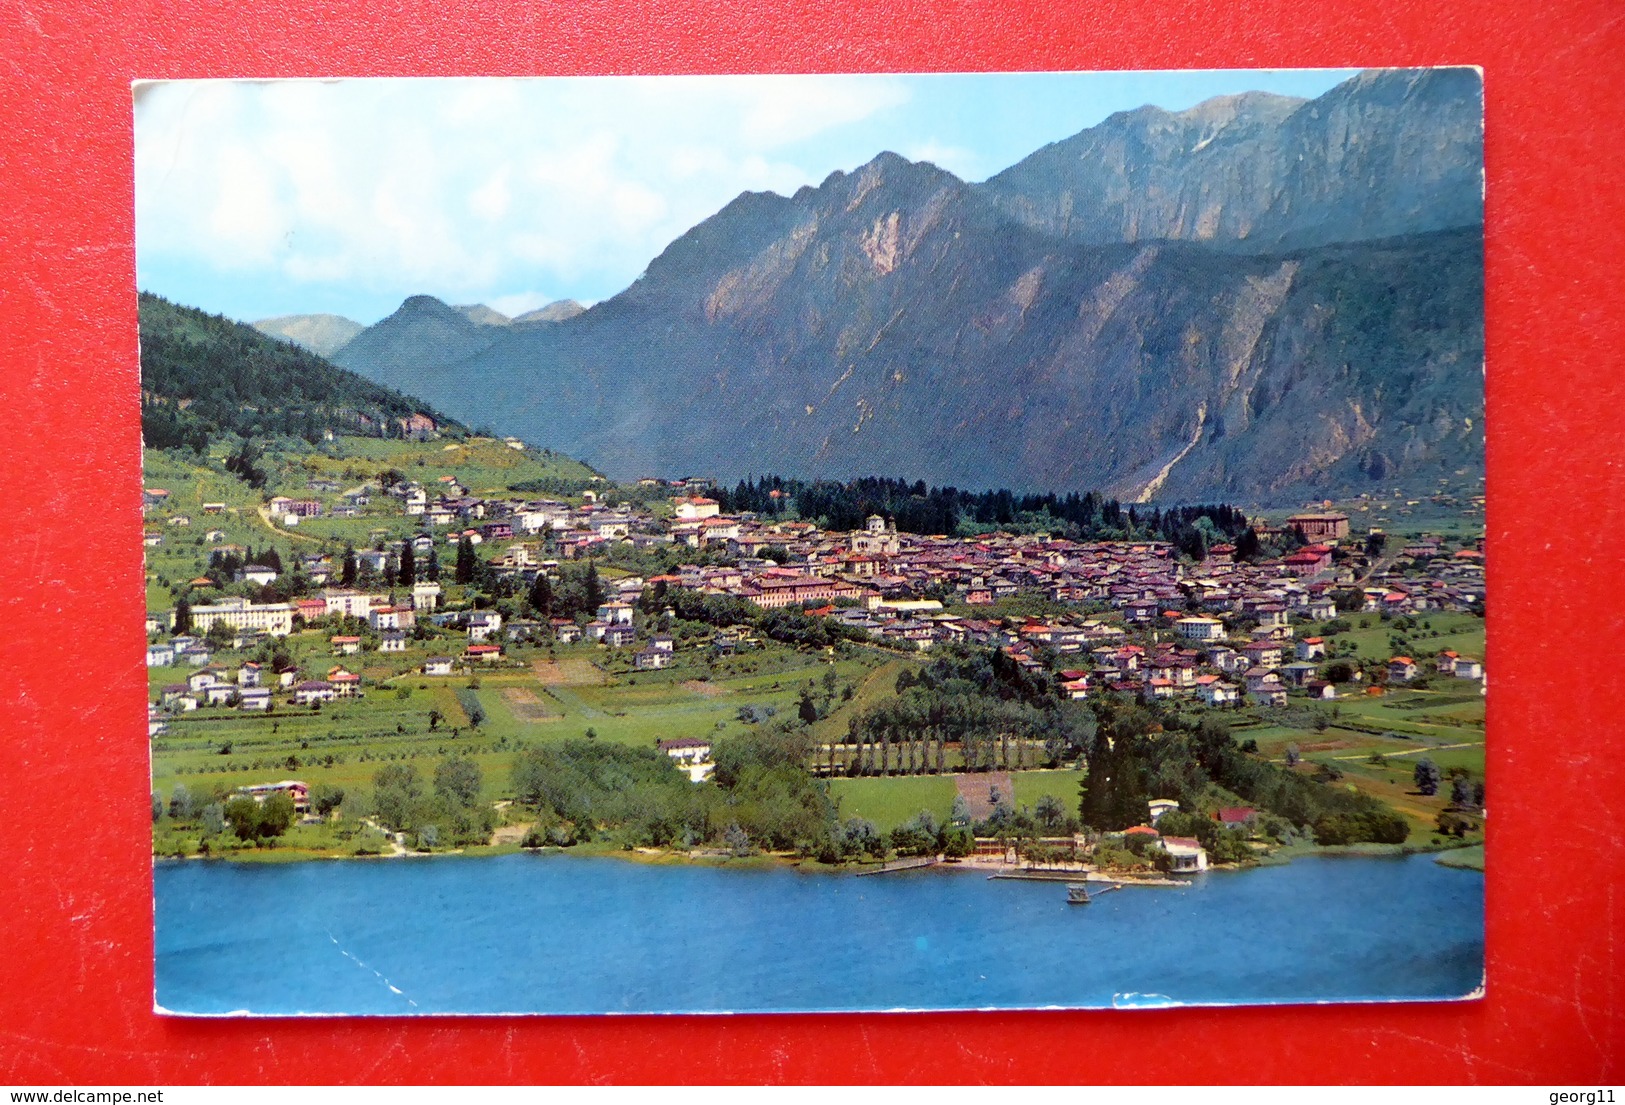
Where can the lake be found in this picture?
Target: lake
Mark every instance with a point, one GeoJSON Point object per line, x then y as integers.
{"type": "Point", "coordinates": [564, 934]}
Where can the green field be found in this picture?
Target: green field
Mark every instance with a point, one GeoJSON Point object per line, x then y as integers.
{"type": "Point", "coordinates": [889, 802]}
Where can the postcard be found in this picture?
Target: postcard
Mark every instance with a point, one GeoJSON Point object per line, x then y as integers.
{"type": "Point", "coordinates": [824, 542]}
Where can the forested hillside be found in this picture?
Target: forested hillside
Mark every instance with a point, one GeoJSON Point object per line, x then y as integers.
{"type": "Point", "coordinates": [203, 374]}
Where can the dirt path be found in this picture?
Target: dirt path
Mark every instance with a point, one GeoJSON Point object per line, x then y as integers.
{"type": "Point", "coordinates": [575, 672]}
{"type": "Point", "coordinates": [526, 705]}
{"type": "Point", "coordinates": [977, 791]}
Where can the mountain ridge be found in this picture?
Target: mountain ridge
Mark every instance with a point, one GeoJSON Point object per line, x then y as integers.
{"type": "Point", "coordinates": [896, 318]}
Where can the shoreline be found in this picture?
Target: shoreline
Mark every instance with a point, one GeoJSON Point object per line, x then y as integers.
{"type": "Point", "coordinates": [1467, 857]}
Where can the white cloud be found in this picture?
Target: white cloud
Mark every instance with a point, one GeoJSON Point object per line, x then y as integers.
{"type": "Point", "coordinates": [468, 189]}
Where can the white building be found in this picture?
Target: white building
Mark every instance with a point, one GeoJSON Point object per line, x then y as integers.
{"type": "Point", "coordinates": [275, 618]}
{"type": "Point", "coordinates": [1197, 628]}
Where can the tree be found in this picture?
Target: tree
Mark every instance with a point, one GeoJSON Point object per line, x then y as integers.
{"type": "Point", "coordinates": [808, 709]}
{"type": "Point", "coordinates": [325, 798]}
{"type": "Point", "coordinates": [435, 717]}
{"type": "Point", "coordinates": [1049, 811]}
{"type": "Point", "coordinates": [1427, 776]}
{"type": "Point", "coordinates": [408, 574]}
{"type": "Point", "coordinates": [1461, 791]}
{"type": "Point", "coordinates": [183, 616]}
{"type": "Point", "coordinates": [594, 588]}
{"type": "Point", "coordinates": [212, 820]}
{"type": "Point", "coordinates": [1292, 755]}
{"type": "Point", "coordinates": [541, 595]}
{"type": "Point", "coordinates": [465, 560]}
{"type": "Point", "coordinates": [157, 805]}
{"type": "Point", "coordinates": [259, 821]}
{"type": "Point", "coordinates": [458, 779]}
{"type": "Point", "coordinates": [181, 806]}
{"type": "Point", "coordinates": [347, 573]}
{"type": "Point", "coordinates": [433, 570]}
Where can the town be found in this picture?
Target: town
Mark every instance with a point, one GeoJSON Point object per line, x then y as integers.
{"type": "Point", "coordinates": [364, 615]}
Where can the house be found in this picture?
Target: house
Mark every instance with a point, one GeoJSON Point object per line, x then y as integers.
{"type": "Point", "coordinates": [255, 698]}
{"type": "Point", "coordinates": [1469, 669]}
{"type": "Point", "coordinates": [392, 640]}
{"type": "Point", "coordinates": [566, 632]}
{"type": "Point", "coordinates": [1446, 663]}
{"type": "Point", "coordinates": [198, 681]}
{"type": "Point", "coordinates": [1299, 673]}
{"type": "Point", "coordinates": [293, 788]}
{"type": "Point", "coordinates": [692, 754]}
{"type": "Point", "coordinates": [160, 656]}
{"type": "Point", "coordinates": [309, 609]}
{"type": "Point", "coordinates": [1216, 692]}
{"type": "Point", "coordinates": [259, 574]}
{"type": "Point", "coordinates": [346, 646]}
{"type": "Point", "coordinates": [346, 684]}
{"type": "Point", "coordinates": [488, 654]}
{"type": "Point", "coordinates": [1311, 648]}
{"type": "Point", "coordinates": [249, 675]}
{"type": "Point", "coordinates": [1185, 853]}
{"type": "Point", "coordinates": [651, 659]}
{"type": "Point", "coordinates": [1236, 817]}
{"type": "Point", "coordinates": [312, 691]}
{"type": "Point", "coordinates": [1160, 806]}
{"type": "Point", "coordinates": [437, 665]}
{"type": "Point", "coordinates": [1197, 628]}
{"type": "Point", "coordinates": [662, 642]}
{"type": "Point", "coordinates": [618, 636]}
{"type": "Point", "coordinates": [219, 694]}
{"type": "Point", "coordinates": [615, 613]}
{"type": "Point", "coordinates": [1401, 669]}
{"type": "Point", "coordinates": [425, 596]}
{"type": "Point", "coordinates": [1262, 654]}
{"type": "Point", "coordinates": [483, 623]}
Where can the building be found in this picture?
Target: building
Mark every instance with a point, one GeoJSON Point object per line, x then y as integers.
{"type": "Point", "coordinates": [425, 596]}
{"type": "Point", "coordinates": [1198, 628]}
{"type": "Point", "coordinates": [275, 618]}
{"type": "Point", "coordinates": [312, 691]}
{"type": "Point", "coordinates": [437, 665]}
{"type": "Point", "coordinates": [1317, 527]}
{"type": "Point", "coordinates": [692, 754]}
{"type": "Point", "coordinates": [1186, 853]}
{"type": "Point", "coordinates": [877, 538]}
{"type": "Point", "coordinates": [651, 659]}
{"type": "Point", "coordinates": [293, 788]}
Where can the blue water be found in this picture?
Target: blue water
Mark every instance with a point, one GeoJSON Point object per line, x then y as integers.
{"type": "Point", "coordinates": [561, 934]}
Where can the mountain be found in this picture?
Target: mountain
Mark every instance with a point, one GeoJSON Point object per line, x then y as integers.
{"type": "Point", "coordinates": [422, 332]}
{"type": "Point", "coordinates": [203, 375]}
{"type": "Point", "coordinates": [485, 316]}
{"type": "Point", "coordinates": [560, 310]}
{"type": "Point", "coordinates": [1388, 152]}
{"type": "Point", "coordinates": [898, 320]}
{"type": "Point", "coordinates": [323, 335]}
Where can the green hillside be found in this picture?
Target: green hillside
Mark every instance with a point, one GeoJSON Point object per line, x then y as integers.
{"type": "Point", "coordinates": [202, 375]}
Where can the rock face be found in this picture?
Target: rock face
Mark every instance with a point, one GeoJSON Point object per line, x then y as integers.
{"type": "Point", "coordinates": [898, 321]}
{"type": "Point", "coordinates": [1389, 152]}
{"type": "Point", "coordinates": [323, 335]}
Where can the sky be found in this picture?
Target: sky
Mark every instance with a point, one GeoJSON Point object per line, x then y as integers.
{"type": "Point", "coordinates": [263, 198]}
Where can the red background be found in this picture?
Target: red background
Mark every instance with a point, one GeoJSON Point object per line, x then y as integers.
{"type": "Point", "coordinates": [75, 973]}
